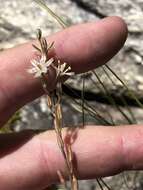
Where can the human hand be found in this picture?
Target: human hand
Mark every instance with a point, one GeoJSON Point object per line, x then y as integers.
{"type": "Point", "coordinates": [29, 161]}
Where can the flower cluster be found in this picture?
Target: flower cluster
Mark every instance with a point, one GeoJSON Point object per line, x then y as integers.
{"type": "Point", "coordinates": [41, 66]}
{"type": "Point", "coordinates": [63, 69]}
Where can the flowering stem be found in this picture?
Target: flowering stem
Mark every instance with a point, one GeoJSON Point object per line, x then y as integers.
{"type": "Point", "coordinates": [41, 69]}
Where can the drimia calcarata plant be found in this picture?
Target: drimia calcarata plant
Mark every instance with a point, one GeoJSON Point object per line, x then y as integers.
{"type": "Point", "coordinates": [41, 68]}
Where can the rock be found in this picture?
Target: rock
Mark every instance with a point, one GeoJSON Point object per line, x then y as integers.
{"type": "Point", "coordinates": [19, 20]}
{"type": "Point", "coordinates": [130, 11]}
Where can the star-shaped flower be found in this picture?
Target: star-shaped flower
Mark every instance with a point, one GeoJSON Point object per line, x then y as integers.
{"type": "Point", "coordinates": [40, 66]}
{"type": "Point", "coordinates": [63, 69]}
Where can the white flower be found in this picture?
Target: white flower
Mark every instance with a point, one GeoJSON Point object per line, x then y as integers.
{"type": "Point", "coordinates": [64, 70]}
{"type": "Point", "coordinates": [40, 66]}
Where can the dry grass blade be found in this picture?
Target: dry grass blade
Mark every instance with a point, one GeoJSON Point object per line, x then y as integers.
{"type": "Point", "coordinates": [123, 83]}
{"type": "Point", "coordinates": [82, 100]}
{"type": "Point", "coordinates": [97, 85]}
{"type": "Point", "coordinates": [88, 108]}
{"type": "Point", "coordinates": [121, 98]}
{"type": "Point", "coordinates": [91, 111]}
{"type": "Point", "coordinates": [99, 183]}
{"type": "Point", "coordinates": [112, 100]}
{"type": "Point", "coordinates": [105, 184]}
{"type": "Point", "coordinates": [42, 4]}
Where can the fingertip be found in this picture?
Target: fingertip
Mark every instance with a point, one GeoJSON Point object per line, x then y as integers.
{"type": "Point", "coordinates": [87, 46]}
{"type": "Point", "coordinates": [120, 25]}
{"type": "Point", "coordinates": [113, 32]}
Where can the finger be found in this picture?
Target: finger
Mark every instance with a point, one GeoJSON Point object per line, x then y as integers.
{"type": "Point", "coordinates": [99, 151]}
{"type": "Point", "coordinates": [84, 47]}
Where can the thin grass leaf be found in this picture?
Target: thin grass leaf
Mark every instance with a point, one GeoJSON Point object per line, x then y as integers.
{"type": "Point", "coordinates": [82, 98]}
{"type": "Point", "coordinates": [89, 109]}
{"type": "Point", "coordinates": [105, 184]}
{"type": "Point", "coordinates": [124, 84]}
{"type": "Point", "coordinates": [42, 4]}
{"type": "Point", "coordinates": [100, 89]}
{"type": "Point", "coordinates": [112, 100]}
{"type": "Point", "coordinates": [93, 113]}
{"type": "Point", "coordinates": [100, 185]}
{"type": "Point", "coordinates": [121, 98]}
{"type": "Point", "coordinates": [77, 106]}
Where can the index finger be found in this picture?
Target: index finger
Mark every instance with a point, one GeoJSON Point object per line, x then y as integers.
{"type": "Point", "coordinates": [84, 47]}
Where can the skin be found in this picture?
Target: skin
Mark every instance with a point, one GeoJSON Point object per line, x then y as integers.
{"type": "Point", "coordinates": [29, 161]}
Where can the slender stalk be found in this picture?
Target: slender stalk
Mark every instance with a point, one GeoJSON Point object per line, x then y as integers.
{"type": "Point", "coordinates": [101, 89]}
{"type": "Point", "coordinates": [93, 113]}
{"type": "Point", "coordinates": [99, 183]}
{"type": "Point", "coordinates": [82, 99]}
{"type": "Point", "coordinates": [42, 4]}
{"type": "Point", "coordinates": [111, 99]}
{"type": "Point", "coordinates": [105, 184]}
{"type": "Point", "coordinates": [124, 84]}
{"type": "Point", "coordinates": [90, 109]}
{"type": "Point", "coordinates": [121, 98]}
{"type": "Point", "coordinates": [65, 148]}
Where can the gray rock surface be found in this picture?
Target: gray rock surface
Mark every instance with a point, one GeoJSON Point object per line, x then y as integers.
{"type": "Point", "coordinates": [22, 18]}
{"type": "Point", "coordinates": [132, 54]}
